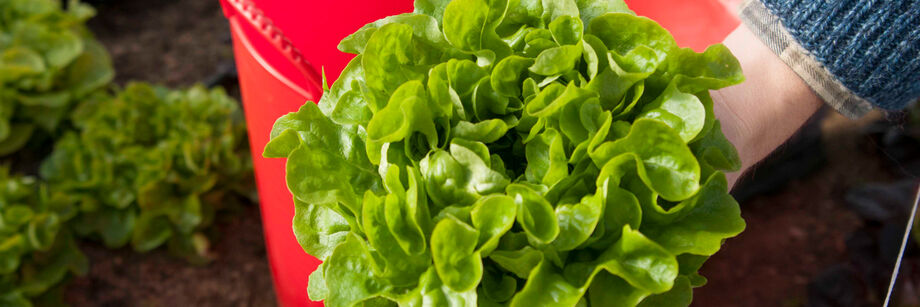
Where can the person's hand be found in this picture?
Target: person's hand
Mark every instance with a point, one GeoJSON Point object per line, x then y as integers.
{"type": "Point", "coordinates": [765, 110]}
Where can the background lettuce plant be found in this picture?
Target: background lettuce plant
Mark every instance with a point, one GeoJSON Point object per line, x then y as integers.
{"type": "Point", "coordinates": [37, 250]}
{"type": "Point", "coordinates": [152, 165]}
{"type": "Point", "coordinates": [48, 61]}
{"type": "Point", "coordinates": [520, 153]}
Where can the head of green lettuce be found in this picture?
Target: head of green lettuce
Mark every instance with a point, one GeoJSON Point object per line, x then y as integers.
{"type": "Point", "coordinates": [513, 152]}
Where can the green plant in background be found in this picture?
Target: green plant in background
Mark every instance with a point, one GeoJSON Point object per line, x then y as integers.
{"type": "Point", "coordinates": [37, 250]}
{"type": "Point", "coordinates": [152, 165]}
{"type": "Point", "coordinates": [522, 153]}
{"type": "Point", "coordinates": [48, 60]}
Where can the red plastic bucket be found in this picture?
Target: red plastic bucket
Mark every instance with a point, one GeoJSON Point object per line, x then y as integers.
{"type": "Point", "coordinates": [280, 70]}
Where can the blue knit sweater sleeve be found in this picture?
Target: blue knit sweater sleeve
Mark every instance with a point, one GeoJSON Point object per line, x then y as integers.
{"type": "Point", "coordinates": [854, 53]}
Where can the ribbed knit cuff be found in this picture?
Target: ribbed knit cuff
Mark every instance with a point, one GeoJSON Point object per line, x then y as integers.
{"type": "Point", "coordinates": [772, 32]}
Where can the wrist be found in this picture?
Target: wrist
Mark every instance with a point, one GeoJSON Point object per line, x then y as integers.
{"type": "Point", "coordinates": [761, 113]}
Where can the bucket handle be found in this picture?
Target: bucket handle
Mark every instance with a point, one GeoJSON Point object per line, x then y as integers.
{"type": "Point", "coordinates": [256, 18]}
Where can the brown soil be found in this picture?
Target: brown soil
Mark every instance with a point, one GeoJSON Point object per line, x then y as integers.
{"type": "Point", "coordinates": [170, 42]}
{"type": "Point", "coordinates": [794, 234]}
{"type": "Point", "coordinates": [239, 275]}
